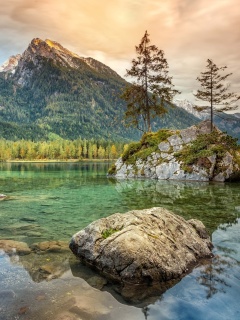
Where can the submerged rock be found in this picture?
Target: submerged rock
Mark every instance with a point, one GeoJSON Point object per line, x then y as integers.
{"type": "Point", "coordinates": [12, 247]}
{"type": "Point", "coordinates": [50, 246]}
{"type": "Point", "coordinates": [143, 247]}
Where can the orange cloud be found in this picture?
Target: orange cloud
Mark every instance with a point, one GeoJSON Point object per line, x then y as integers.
{"type": "Point", "coordinates": [189, 31]}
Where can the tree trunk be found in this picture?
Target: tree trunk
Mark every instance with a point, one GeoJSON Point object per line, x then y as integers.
{"type": "Point", "coordinates": [211, 102]}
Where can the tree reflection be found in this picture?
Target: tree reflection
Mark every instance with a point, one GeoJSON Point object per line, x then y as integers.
{"type": "Point", "coordinates": [145, 311]}
{"type": "Point", "coordinates": [212, 203]}
{"type": "Point", "coordinates": [215, 275]}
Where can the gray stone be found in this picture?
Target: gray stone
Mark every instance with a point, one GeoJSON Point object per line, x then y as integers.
{"type": "Point", "coordinates": [122, 171]}
{"type": "Point", "coordinates": [177, 148]}
{"type": "Point", "coordinates": [227, 160]}
{"type": "Point", "coordinates": [219, 177]}
{"type": "Point", "coordinates": [175, 140]}
{"type": "Point", "coordinates": [189, 134]}
{"type": "Point", "coordinates": [198, 174]}
{"type": "Point", "coordinates": [164, 146]}
{"type": "Point", "coordinates": [155, 155]}
{"type": "Point", "coordinates": [164, 155]}
{"type": "Point", "coordinates": [212, 160]}
{"type": "Point", "coordinates": [166, 170]}
{"type": "Point", "coordinates": [165, 165]}
{"type": "Point", "coordinates": [204, 127]}
{"type": "Point", "coordinates": [151, 245]}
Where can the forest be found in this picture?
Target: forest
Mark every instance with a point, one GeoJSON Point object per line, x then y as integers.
{"type": "Point", "coordinates": [60, 150]}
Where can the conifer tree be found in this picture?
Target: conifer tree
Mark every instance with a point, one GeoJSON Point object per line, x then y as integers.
{"type": "Point", "coordinates": [214, 90]}
{"type": "Point", "coordinates": [152, 87]}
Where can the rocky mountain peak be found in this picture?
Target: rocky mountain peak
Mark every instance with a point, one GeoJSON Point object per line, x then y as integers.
{"type": "Point", "coordinates": [39, 49]}
{"type": "Point", "coordinates": [51, 50]}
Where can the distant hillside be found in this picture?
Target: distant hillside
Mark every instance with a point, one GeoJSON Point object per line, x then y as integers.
{"type": "Point", "coordinates": [50, 90]}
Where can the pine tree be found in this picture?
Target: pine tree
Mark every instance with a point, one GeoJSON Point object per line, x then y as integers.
{"type": "Point", "coordinates": [152, 89]}
{"type": "Point", "coordinates": [214, 90]}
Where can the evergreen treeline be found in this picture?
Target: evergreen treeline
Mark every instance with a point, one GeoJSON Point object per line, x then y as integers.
{"type": "Point", "coordinates": [59, 150]}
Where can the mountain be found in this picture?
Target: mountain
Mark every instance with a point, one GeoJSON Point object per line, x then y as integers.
{"type": "Point", "coordinates": [189, 107]}
{"type": "Point", "coordinates": [54, 91]}
{"type": "Point", "coordinates": [229, 123]}
{"type": "Point", "coordinates": [11, 64]}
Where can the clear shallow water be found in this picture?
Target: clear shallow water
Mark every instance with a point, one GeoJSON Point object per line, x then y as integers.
{"type": "Point", "coordinates": [53, 201]}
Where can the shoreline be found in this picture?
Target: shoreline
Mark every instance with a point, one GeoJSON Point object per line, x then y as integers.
{"type": "Point", "coordinates": [58, 161]}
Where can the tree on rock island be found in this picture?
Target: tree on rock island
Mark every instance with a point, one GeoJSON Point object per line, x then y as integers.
{"type": "Point", "coordinates": [214, 90]}
{"type": "Point", "coordinates": [152, 88]}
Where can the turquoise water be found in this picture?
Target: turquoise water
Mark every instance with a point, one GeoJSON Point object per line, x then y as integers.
{"type": "Point", "coordinates": [53, 201]}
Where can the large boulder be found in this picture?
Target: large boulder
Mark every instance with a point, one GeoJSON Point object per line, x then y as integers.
{"type": "Point", "coordinates": [143, 246]}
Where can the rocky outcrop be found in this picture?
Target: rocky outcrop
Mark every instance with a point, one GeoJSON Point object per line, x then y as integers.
{"type": "Point", "coordinates": [143, 246]}
{"type": "Point", "coordinates": [217, 162]}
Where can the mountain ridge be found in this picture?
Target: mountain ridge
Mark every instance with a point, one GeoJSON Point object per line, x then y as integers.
{"type": "Point", "coordinates": [225, 122]}
{"type": "Point", "coordinates": [59, 92]}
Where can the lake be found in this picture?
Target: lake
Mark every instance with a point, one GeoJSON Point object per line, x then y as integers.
{"type": "Point", "coordinates": [52, 201]}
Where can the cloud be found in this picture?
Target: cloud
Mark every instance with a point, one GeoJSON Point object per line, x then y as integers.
{"type": "Point", "coordinates": [189, 31]}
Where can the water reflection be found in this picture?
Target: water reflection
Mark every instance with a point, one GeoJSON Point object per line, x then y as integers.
{"type": "Point", "coordinates": [213, 204]}
{"type": "Point", "coordinates": [53, 201]}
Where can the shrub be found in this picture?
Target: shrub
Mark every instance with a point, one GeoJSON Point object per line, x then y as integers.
{"type": "Point", "coordinates": [132, 148]}
{"type": "Point", "coordinates": [205, 146]}
{"type": "Point", "coordinates": [108, 232]}
{"type": "Point", "coordinates": [147, 145]}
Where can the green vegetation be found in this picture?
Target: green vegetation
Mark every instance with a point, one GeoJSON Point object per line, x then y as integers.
{"type": "Point", "coordinates": [214, 90]}
{"type": "Point", "coordinates": [53, 99]}
{"type": "Point", "coordinates": [204, 146]}
{"type": "Point", "coordinates": [59, 150]}
{"type": "Point", "coordinates": [108, 232]}
{"type": "Point", "coordinates": [141, 150]}
{"type": "Point", "coordinates": [148, 144]}
{"type": "Point", "coordinates": [152, 89]}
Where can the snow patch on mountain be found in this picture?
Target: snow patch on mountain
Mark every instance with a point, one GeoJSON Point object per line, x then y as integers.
{"type": "Point", "coordinates": [190, 107]}
{"type": "Point", "coordinates": [11, 64]}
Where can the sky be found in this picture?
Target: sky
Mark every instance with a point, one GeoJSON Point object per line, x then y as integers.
{"type": "Point", "coordinates": [188, 31]}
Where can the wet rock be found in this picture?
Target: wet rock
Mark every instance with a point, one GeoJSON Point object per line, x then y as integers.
{"type": "Point", "coordinates": [34, 234]}
{"type": "Point", "coordinates": [50, 246]}
{"type": "Point", "coordinates": [45, 266]}
{"type": "Point", "coordinates": [142, 246]}
{"type": "Point", "coordinates": [89, 308]}
{"type": "Point", "coordinates": [51, 270]}
{"type": "Point", "coordinates": [12, 247]}
{"type": "Point", "coordinates": [97, 282]}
